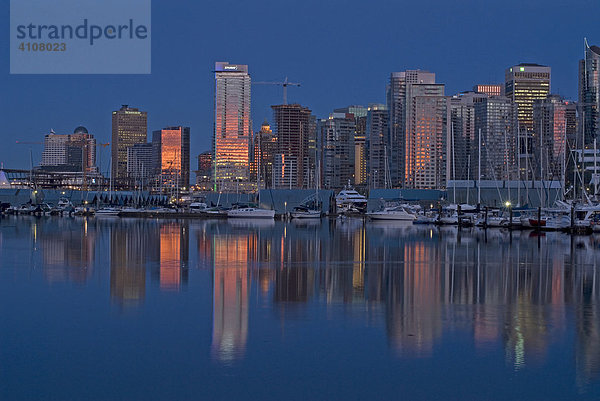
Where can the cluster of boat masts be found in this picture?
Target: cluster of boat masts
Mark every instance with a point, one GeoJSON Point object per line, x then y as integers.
{"type": "Point", "coordinates": [562, 216]}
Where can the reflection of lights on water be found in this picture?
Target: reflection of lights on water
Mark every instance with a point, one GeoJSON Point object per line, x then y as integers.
{"type": "Point", "coordinates": [519, 350]}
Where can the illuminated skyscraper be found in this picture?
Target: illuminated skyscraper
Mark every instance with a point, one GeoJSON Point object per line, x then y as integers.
{"type": "Point", "coordinates": [589, 92]}
{"type": "Point", "coordinates": [204, 174]}
{"type": "Point", "coordinates": [129, 126]}
{"type": "Point", "coordinates": [427, 132]}
{"type": "Point", "coordinates": [265, 147]}
{"type": "Point", "coordinates": [396, 102]}
{"type": "Point", "coordinates": [171, 147]}
{"type": "Point", "coordinates": [292, 129]}
{"type": "Point", "coordinates": [233, 128]}
{"type": "Point", "coordinates": [489, 89]}
{"type": "Point", "coordinates": [523, 84]}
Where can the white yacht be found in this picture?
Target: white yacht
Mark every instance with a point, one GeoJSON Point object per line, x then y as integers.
{"type": "Point", "coordinates": [244, 211]}
{"type": "Point", "coordinates": [348, 198]}
{"type": "Point", "coordinates": [392, 213]}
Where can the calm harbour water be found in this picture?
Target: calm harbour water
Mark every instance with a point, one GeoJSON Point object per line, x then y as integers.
{"type": "Point", "coordinates": [109, 308]}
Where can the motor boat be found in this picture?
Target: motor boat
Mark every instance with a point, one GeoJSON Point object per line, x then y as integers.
{"type": "Point", "coordinates": [245, 211]}
{"type": "Point", "coordinates": [392, 213]}
{"type": "Point", "coordinates": [196, 207]}
{"type": "Point", "coordinates": [84, 211]}
{"type": "Point", "coordinates": [108, 212]}
{"type": "Point", "coordinates": [349, 198]}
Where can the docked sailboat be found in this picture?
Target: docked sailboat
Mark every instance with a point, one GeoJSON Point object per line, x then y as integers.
{"type": "Point", "coordinates": [303, 212]}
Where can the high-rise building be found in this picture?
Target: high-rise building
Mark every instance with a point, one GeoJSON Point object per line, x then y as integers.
{"type": "Point", "coordinates": [360, 144]}
{"type": "Point", "coordinates": [462, 148]}
{"type": "Point", "coordinates": [265, 147]}
{"type": "Point", "coordinates": [204, 174]}
{"type": "Point", "coordinates": [70, 152]}
{"type": "Point", "coordinates": [140, 163]}
{"type": "Point", "coordinates": [233, 127]}
{"type": "Point", "coordinates": [524, 83]}
{"type": "Point", "coordinates": [129, 126]}
{"type": "Point", "coordinates": [589, 92]}
{"type": "Point", "coordinates": [496, 117]}
{"type": "Point", "coordinates": [489, 89]}
{"type": "Point", "coordinates": [338, 150]}
{"type": "Point", "coordinates": [377, 159]}
{"type": "Point", "coordinates": [396, 102]}
{"type": "Point", "coordinates": [290, 164]}
{"type": "Point", "coordinates": [427, 132]}
{"type": "Point", "coordinates": [550, 127]}
{"type": "Point", "coordinates": [171, 148]}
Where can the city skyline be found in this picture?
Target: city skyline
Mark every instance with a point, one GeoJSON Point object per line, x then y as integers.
{"type": "Point", "coordinates": [459, 67]}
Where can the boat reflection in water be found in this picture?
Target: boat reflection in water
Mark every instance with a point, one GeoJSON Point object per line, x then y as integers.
{"type": "Point", "coordinates": [507, 295]}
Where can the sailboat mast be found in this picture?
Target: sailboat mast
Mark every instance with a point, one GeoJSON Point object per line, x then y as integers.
{"type": "Point", "coordinates": [518, 164]}
{"type": "Point", "coordinates": [479, 171]}
{"type": "Point", "coordinates": [453, 164]}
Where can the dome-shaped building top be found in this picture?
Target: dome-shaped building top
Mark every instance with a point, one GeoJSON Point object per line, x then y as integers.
{"type": "Point", "coordinates": [80, 130]}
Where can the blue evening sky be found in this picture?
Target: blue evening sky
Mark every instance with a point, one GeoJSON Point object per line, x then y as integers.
{"type": "Point", "coordinates": [341, 51]}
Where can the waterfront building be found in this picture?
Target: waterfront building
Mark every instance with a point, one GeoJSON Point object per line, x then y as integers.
{"type": "Point", "coordinates": [171, 148]}
{"type": "Point", "coordinates": [291, 167]}
{"type": "Point", "coordinates": [377, 155]}
{"type": "Point", "coordinates": [360, 144]}
{"type": "Point", "coordinates": [265, 147]}
{"type": "Point", "coordinates": [70, 152]}
{"type": "Point", "coordinates": [397, 106]}
{"type": "Point", "coordinates": [589, 92]}
{"type": "Point", "coordinates": [489, 89]}
{"type": "Point", "coordinates": [524, 83]}
{"type": "Point", "coordinates": [233, 127]}
{"type": "Point", "coordinates": [129, 127]}
{"type": "Point", "coordinates": [204, 174]}
{"type": "Point", "coordinates": [140, 163]}
{"type": "Point", "coordinates": [550, 128]}
{"type": "Point", "coordinates": [427, 132]}
{"type": "Point", "coordinates": [496, 120]}
{"type": "Point", "coordinates": [462, 148]}
{"type": "Point", "coordinates": [338, 150]}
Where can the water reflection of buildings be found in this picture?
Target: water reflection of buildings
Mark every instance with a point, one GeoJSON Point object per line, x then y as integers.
{"type": "Point", "coordinates": [499, 287]}
{"type": "Point", "coordinates": [138, 246]}
{"type": "Point", "coordinates": [68, 250]}
{"type": "Point", "coordinates": [131, 247]}
{"type": "Point", "coordinates": [174, 255]}
{"type": "Point", "coordinates": [231, 255]}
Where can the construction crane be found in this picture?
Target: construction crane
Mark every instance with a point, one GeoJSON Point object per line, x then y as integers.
{"type": "Point", "coordinates": [285, 84]}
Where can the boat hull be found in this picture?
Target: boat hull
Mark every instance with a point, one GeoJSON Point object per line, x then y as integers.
{"type": "Point", "coordinates": [251, 213]}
